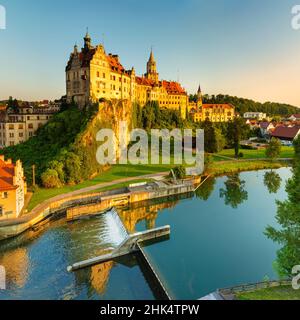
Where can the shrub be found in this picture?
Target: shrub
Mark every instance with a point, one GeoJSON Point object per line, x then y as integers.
{"type": "Point", "coordinates": [50, 179]}
{"type": "Point", "coordinates": [179, 172]}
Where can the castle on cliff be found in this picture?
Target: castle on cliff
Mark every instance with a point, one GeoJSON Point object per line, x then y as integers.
{"type": "Point", "coordinates": [91, 75]}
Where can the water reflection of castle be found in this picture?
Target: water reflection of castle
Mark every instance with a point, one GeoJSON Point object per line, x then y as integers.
{"type": "Point", "coordinates": [17, 261]}
{"type": "Point", "coordinates": [99, 274]}
{"type": "Point", "coordinates": [16, 264]}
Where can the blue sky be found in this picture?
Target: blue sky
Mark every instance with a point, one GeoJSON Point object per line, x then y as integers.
{"type": "Point", "coordinates": [245, 48]}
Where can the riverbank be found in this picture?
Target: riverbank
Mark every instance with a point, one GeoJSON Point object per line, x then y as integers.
{"type": "Point", "coordinates": [45, 201]}
{"type": "Point", "coordinates": [277, 293]}
{"type": "Point", "coordinates": [122, 173]}
{"type": "Point", "coordinates": [230, 167]}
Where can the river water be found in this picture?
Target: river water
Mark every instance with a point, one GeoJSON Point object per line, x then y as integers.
{"type": "Point", "coordinates": [217, 240]}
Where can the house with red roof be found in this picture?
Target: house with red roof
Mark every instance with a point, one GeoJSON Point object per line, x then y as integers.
{"type": "Point", "coordinates": [294, 117]}
{"type": "Point", "coordinates": [13, 188]}
{"type": "Point", "coordinates": [266, 128]}
{"type": "Point", "coordinates": [199, 111]}
{"type": "Point", "coordinates": [286, 133]}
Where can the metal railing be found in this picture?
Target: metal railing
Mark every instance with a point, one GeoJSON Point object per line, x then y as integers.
{"type": "Point", "coordinates": [250, 287]}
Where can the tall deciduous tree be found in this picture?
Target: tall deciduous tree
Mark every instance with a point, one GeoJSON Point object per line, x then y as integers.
{"type": "Point", "coordinates": [237, 130]}
{"type": "Point", "coordinates": [274, 148]}
{"type": "Point", "coordinates": [288, 216]}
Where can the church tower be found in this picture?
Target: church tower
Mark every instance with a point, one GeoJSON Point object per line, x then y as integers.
{"type": "Point", "coordinates": [152, 73]}
{"type": "Point", "coordinates": [199, 98]}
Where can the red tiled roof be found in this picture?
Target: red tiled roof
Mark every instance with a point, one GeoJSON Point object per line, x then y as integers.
{"type": "Point", "coordinates": [6, 176]}
{"type": "Point", "coordinates": [264, 125]}
{"type": "Point", "coordinates": [225, 106]}
{"type": "Point", "coordinates": [286, 132]}
{"type": "Point", "coordinates": [173, 88]}
{"type": "Point", "coordinates": [297, 116]}
{"type": "Point", "coordinates": [86, 56]}
{"type": "Point", "coordinates": [115, 64]}
{"type": "Point", "coordinates": [144, 81]}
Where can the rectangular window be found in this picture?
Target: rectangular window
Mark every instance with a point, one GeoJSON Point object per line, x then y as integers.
{"type": "Point", "coordinates": [11, 135]}
{"type": "Point", "coordinates": [1, 211]}
{"type": "Point", "coordinates": [30, 126]}
{"type": "Point", "coordinates": [11, 127]}
{"type": "Point", "coordinates": [21, 134]}
{"type": "Point", "coordinates": [4, 195]}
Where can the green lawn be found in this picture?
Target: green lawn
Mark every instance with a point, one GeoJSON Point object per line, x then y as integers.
{"type": "Point", "coordinates": [275, 293]}
{"type": "Point", "coordinates": [119, 186]}
{"type": "Point", "coordinates": [286, 152]}
{"type": "Point", "coordinates": [115, 173]}
{"type": "Point", "coordinates": [227, 167]}
{"type": "Point", "coordinates": [122, 171]}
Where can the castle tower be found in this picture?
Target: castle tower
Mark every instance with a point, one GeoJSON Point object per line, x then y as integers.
{"type": "Point", "coordinates": [151, 68]}
{"type": "Point", "coordinates": [199, 98]}
{"type": "Point", "coordinates": [87, 41]}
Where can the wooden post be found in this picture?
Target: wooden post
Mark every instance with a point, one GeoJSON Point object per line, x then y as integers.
{"type": "Point", "coordinates": [33, 175]}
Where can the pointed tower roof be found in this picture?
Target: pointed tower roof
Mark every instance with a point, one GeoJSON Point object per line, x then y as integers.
{"type": "Point", "coordinates": [151, 56]}
{"type": "Point", "coordinates": [199, 89]}
{"type": "Point", "coordinates": [87, 35]}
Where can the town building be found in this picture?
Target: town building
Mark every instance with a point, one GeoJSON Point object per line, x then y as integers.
{"type": "Point", "coordinates": [199, 111]}
{"type": "Point", "coordinates": [286, 134]}
{"type": "Point", "coordinates": [92, 75]}
{"type": "Point", "coordinates": [255, 115]}
{"type": "Point", "coordinates": [17, 127]}
{"type": "Point", "coordinates": [266, 128]}
{"type": "Point", "coordinates": [294, 117]}
{"type": "Point", "coordinates": [13, 189]}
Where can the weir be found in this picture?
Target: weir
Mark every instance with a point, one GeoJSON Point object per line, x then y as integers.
{"type": "Point", "coordinates": [129, 245]}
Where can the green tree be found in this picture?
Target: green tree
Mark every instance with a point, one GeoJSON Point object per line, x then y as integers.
{"type": "Point", "coordinates": [214, 141]}
{"type": "Point", "coordinates": [13, 105]}
{"type": "Point", "coordinates": [72, 168]}
{"type": "Point", "coordinates": [297, 148]}
{"type": "Point", "coordinates": [288, 217]}
{"type": "Point", "coordinates": [237, 130]}
{"type": "Point", "coordinates": [272, 181]}
{"type": "Point", "coordinates": [234, 192]}
{"type": "Point", "coordinates": [273, 150]}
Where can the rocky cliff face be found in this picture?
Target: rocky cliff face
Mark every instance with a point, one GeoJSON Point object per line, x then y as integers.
{"type": "Point", "coordinates": [109, 116]}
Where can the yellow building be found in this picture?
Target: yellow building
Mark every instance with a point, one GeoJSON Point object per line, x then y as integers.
{"type": "Point", "coordinates": [13, 189]}
{"type": "Point", "coordinates": [92, 75]}
{"type": "Point", "coordinates": [200, 111]}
